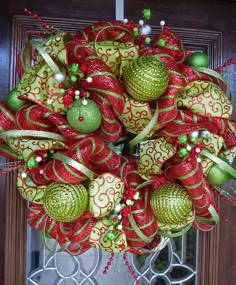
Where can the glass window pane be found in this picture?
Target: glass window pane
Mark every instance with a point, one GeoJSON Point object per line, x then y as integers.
{"type": "Point", "coordinates": [176, 263]}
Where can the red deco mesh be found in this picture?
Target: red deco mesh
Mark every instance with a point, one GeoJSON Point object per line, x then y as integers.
{"type": "Point", "coordinates": [140, 226]}
{"type": "Point", "coordinates": [103, 31]}
{"type": "Point", "coordinates": [91, 152]}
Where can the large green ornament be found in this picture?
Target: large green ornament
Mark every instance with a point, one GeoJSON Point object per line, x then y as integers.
{"type": "Point", "coordinates": [84, 116]}
{"type": "Point", "coordinates": [13, 102]}
{"type": "Point", "coordinates": [217, 176]}
{"type": "Point", "coordinates": [146, 78]}
{"type": "Point", "coordinates": [171, 204]}
{"type": "Point", "coordinates": [198, 59]}
{"type": "Point", "coordinates": [65, 202]}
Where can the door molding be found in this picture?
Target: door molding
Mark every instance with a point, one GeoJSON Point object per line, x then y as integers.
{"type": "Point", "coordinates": [15, 206]}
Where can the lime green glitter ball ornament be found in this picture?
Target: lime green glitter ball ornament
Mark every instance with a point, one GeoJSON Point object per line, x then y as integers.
{"type": "Point", "coordinates": [65, 202]}
{"type": "Point", "coordinates": [13, 102]}
{"type": "Point", "coordinates": [84, 116]}
{"type": "Point", "coordinates": [198, 59]}
{"type": "Point", "coordinates": [171, 204]}
{"type": "Point", "coordinates": [146, 78]}
{"type": "Point", "coordinates": [216, 175]}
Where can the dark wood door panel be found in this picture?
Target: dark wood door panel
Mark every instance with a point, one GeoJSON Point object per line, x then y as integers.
{"type": "Point", "coordinates": [218, 254]}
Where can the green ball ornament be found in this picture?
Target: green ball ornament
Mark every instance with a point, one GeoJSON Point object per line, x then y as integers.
{"type": "Point", "coordinates": [217, 176]}
{"type": "Point", "coordinates": [171, 204]}
{"type": "Point", "coordinates": [198, 59]}
{"type": "Point", "coordinates": [65, 202]}
{"type": "Point", "coordinates": [13, 102]}
{"type": "Point", "coordinates": [146, 78]}
{"type": "Point", "coordinates": [161, 42]}
{"type": "Point", "coordinates": [183, 139]}
{"type": "Point", "coordinates": [84, 116]}
{"type": "Point", "coordinates": [147, 40]}
{"type": "Point", "coordinates": [183, 152]}
{"type": "Point", "coordinates": [110, 236]}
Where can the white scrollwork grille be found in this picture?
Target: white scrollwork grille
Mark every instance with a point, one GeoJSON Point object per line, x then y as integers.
{"type": "Point", "coordinates": [175, 264]}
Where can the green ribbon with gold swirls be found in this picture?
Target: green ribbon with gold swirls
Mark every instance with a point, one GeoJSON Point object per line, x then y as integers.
{"type": "Point", "coordinates": [136, 140]}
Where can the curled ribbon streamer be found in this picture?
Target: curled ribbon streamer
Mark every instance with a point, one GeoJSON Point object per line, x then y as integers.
{"type": "Point", "coordinates": [211, 72]}
{"type": "Point", "coordinates": [163, 242]}
{"type": "Point", "coordinates": [25, 57]}
{"type": "Point", "coordinates": [180, 232]}
{"type": "Point", "coordinates": [144, 184]}
{"type": "Point", "coordinates": [46, 57]}
{"type": "Point", "coordinates": [109, 27]}
{"type": "Point", "coordinates": [45, 243]}
{"type": "Point", "coordinates": [49, 61]}
{"type": "Point", "coordinates": [63, 158]}
{"type": "Point", "coordinates": [31, 133]}
{"type": "Point", "coordinates": [212, 221]}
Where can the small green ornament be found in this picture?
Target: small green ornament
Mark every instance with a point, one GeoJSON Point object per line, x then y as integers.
{"type": "Point", "coordinates": [183, 139]}
{"type": "Point", "coordinates": [81, 75]}
{"type": "Point", "coordinates": [13, 102]}
{"type": "Point", "coordinates": [110, 236]}
{"type": "Point", "coordinates": [114, 220]}
{"type": "Point", "coordinates": [73, 78]}
{"type": "Point", "coordinates": [192, 139]}
{"type": "Point", "coordinates": [31, 162]}
{"type": "Point", "coordinates": [216, 175]}
{"type": "Point", "coordinates": [85, 118]}
{"type": "Point", "coordinates": [171, 204]}
{"type": "Point", "coordinates": [147, 40]}
{"type": "Point", "coordinates": [147, 14]}
{"type": "Point", "coordinates": [198, 59]}
{"type": "Point", "coordinates": [183, 152]}
{"type": "Point", "coordinates": [65, 202]}
{"type": "Point", "coordinates": [74, 68]}
{"type": "Point", "coordinates": [135, 31]}
{"type": "Point", "coordinates": [62, 90]}
{"type": "Point", "coordinates": [161, 42]}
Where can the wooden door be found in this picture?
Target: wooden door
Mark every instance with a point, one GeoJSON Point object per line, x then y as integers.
{"type": "Point", "coordinates": [218, 248]}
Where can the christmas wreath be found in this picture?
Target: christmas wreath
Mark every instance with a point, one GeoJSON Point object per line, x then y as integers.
{"type": "Point", "coordinates": [120, 139]}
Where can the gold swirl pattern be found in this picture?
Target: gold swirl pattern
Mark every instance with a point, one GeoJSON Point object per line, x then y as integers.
{"type": "Point", "coordinates": [26, 147]}
{"type": "Point", "coordinates": [153, 154]}
{"type": "Point", "coordinates": [39, 85]}
{"type": "Point", "coordinates": [136, 116]}
{"type": "Point", "coordinates": [104, 193]}
{"type": "Point", "coordinates": [115, 54]}
{"type": "Point", "coordinates": [29, 190]}
{"type": "Point", "coordinates": [213, 144]}
{"type": "Point", "coordinates": [98, 237]}
{"type": "Point", "coordinates": [204, 98]}
{"type": "Point", "coordinates": [55, 46]}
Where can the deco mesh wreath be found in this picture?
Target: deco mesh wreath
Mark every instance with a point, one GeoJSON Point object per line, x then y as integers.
{"type": "Point", "coordinates": [111, 87]}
